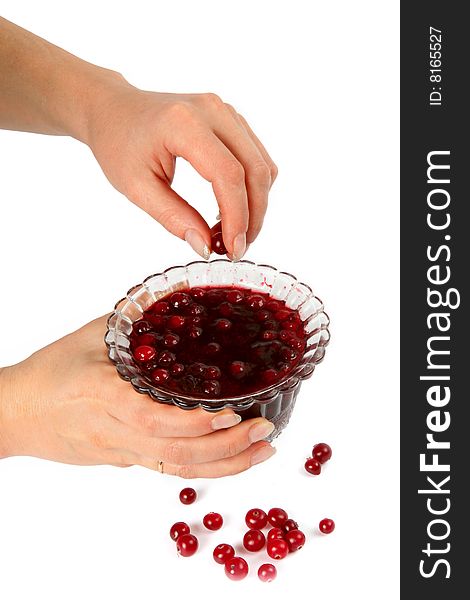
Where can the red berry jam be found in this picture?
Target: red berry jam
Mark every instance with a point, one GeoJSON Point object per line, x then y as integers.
{"type": "Point", "coordinates": [216, 342]}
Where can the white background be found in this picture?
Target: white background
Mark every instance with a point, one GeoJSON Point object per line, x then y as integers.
{"type": "Point", "coordinates": [318, 81]}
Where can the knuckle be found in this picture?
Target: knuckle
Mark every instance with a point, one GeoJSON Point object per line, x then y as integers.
{"type": "Point", "coordinates": [274, 171]}
{"type": "Point", "coordinates": [261, 173]}
{"type": "Point", "coordinates": [233, 172]}
{"type": "Point", "coordinates": [186, 472]}
{"type": "Point", "coordinates": [180, 111]}
{"type": "Point", "coordinates": [231, 109]}
{"type": "Point", "coordinates": [212, 100]}
{"type": "Point", "coordinates": [231, 448]}
{"type": "Point", "coordinates": [175, 453]}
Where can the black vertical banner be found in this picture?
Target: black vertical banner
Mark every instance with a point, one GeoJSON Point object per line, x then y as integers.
{"type": "Point", "coordinates": [435, 328]}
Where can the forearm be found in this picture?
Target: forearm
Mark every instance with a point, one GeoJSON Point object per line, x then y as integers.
{"type": "Point", "coordinates": [44, 89]}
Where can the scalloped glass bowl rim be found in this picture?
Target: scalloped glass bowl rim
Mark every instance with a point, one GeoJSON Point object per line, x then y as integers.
{"type": "Point", "coordinates": [302, 370]}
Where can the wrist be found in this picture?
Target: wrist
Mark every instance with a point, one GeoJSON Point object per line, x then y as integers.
{"type": "Point", "coordinates": [5, 446]}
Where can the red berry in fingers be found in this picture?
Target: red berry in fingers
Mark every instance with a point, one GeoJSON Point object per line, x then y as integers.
{"type": "Point", "coordinates": [326, 525]}
{"type": "Point", "coordinates": [267, 572]}
{"type": "Point", "coordinates": [188, 495]}
{"type": "Point", "coordinates": [277, 517]}
{"type": "Point", "coordinates": [278, 549]}
{"type": "Point", "coordinates": [179, 528]}
{"type": "Point", "coordinates": [295, 539]}
{"type": "Point", "coordinates": [213, 521]}
{"type": "Point", "coordinates": [312, 466]}
{"type": "Point", "coordinates": [254, 540]}
{"type": "Point", "coordinates": [322, 452]}
{"type": "Point", "coordinates": [217, 240]}
{"type": "Point", "coordinates": [256, 518]}
{"type": "Point", "coordinates": [187, 544]}
{"type": "Point", "coordinates": [236, 568]}
{"type": "Point", "coordinates": [275, 533]}
{"type": "Point", "coordinates": [222, 553]}
{"type": "Point", "coordinates": [289, 525]}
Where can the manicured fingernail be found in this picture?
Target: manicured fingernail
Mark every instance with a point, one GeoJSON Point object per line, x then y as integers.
{"type": "Point", "coordinates": [224, 421]}
{"type": "Point", "coordinates": [260, 431]}
{"type": "Point", "coordinates": [197, 243]}
{"type": "Point", "coordinates": [239, 246]}
{"type": "Point", "coordinates": [262, 454]}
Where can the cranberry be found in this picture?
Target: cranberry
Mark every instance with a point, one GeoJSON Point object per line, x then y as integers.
{"type": "Point", "coordinates": [237, 369]}
{"type": "Point", "coordinates": [158, 321]}
{"type": "Point", "coordinates": [140, 327]}
{"type": "Point", "coordinates": [289, 525]}
{"type": "Point", "coordinates": [273, 305]}
{"type": "Point", "coordinates": [160, 375]}
{"type": "Point", "coordinates": [179, 528]}
{"type": "Point", "coordinates": [212, 373]}
{"type": "Point", "coordinates": [268, 335]}
{"type": "Point", "coordinates": [277, 517]}
{"type": "Point", "coordinates": [176, 322]}
{"type": "Point", "coordinates": [278, 549]}
{"type": "Point", "coordinates": [170, 340]}
{"type": "Point", "coordinates": [312, 466]}
{"type": "Point", "coordinates": [187, 544]}
{"type": "Point", "coordinates": [262, 315]}
{"type": "Point", "coordinates": [214, 297]}
{"type": "Point", "coordinates": [276, 533]}
{"type": "Point", "coordinates": [290, 325]}
{"type": "Point", "coordinates": [226, 309]}
{"type": "Point", "coordinates": [254, 540]}
{"type": "Point", "coordinates": [195, 310]}
{"type": "Point", "coordinates": [180, 299]}
{"type": "Point", "coordinates": [256, 518]}
{"type": "Point", "coordinates": [269, 376]}
{"type": "Point", "coordinates": [296, 344]}
{"type": "Point", "coordinates": [255, 302]}
{"type": "Point", "coordinates": [161, 308]}
{"type": "Point", "coordinates": [322, 452]}
{"type": "Point", "coordinates": [235, 296]}
{"type": "Point", "coordinates": [212, 349]}
{"type": "Point", "coordinates": [236, 568]}
{"type": "Point", "coordinates": [288, 354]}
{"type": "Point", "coordinates": [267, 572]}
{"type": "Point", "coordinates": [295, 539]}
{"type": "Point", "coordinates": [144, 353]}
{"type": "Point", "coordinates": [326, 525]}
{"type": "Point", "coordinates": [197, 293]}
{"type": "Point", "coordinates": [217, 240]}
{"type": "Point", "coordinates": [166, 358]}
{"type": "Point", "coordinates": [195, 332]}
{"type": "Point", "coordinates": [222, 553]}
{"type": "Point", "coordinates": [146, 339]}
{"type": "Point", "coordinates": [281, 315]}
{"type": "Point", "coordinates": [211, 388]}
{"type": "Point", "coordinates": [222, 324]}
{"type": "Point", "coordinates": [213, 521]}
{"type": "Point", "coordinates": [188, 495]}
{"type": "Point", "coordinates": [197, 369]}
{"type": "Point", "coordinates": [177, 369]}
{"type": "Point", "coordinates": [286, 336]}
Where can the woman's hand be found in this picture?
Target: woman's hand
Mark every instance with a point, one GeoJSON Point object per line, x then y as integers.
{"type": "Point", "coordinates": [66, 403]}
{"type": "Point", "coordinates": [136, 136]}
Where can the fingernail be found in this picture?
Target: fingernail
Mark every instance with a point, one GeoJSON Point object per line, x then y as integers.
{"type": "Point", "coordinates": [262, 454]}
{"type": "Point", "coordinates": [218, 217]}
{"type": "Point", "coordinates": [239, 246]}
{"type": "Point", "coordinates": [197, 243]}
{"type": "Point", "coordinates": [224, 421]}
{"type": "Point", "coordinates": [260, 431]}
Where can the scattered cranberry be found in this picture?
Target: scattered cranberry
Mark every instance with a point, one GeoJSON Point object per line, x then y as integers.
{"type": "Point", "coordinates": [187, 544]}
{"type": "Point", "coordinates": [267, 572]}
{"type": "Point", "coordinates": [322, 452]}
{"type": "Point", "coordinates": [295, 539]}
{"type": "Point", "coordinates": [277, 517]}
{"type": "Point", "coordinates": [254, 540]}
{"type": "Point", "coordinates": [188, 495]}
{"type": "Point", "coordinates": [326, 525]}
{"type": "Point", "coordinates": [289, 525]}
{"type": "Point", "coordinates": [256, 518]}
{"type": "Point", "coordinates": [236, 568]}
{"type": "Point", "coordinates": [278, 549]}
{"type": "Point", "coordinates": [144, 353]}
{"type": "Point", "coordinates": [275, 533]}
{"type": "Point", "coordinates": [217, 240]}
{"type": "Point", "coordinates": [312, 466]}
{"type": "Point", "coordinates": [222, 553]}
{"type": "Point", "coordinates": [179, 528]}
{"type": "Point", "coordinates": [213, 521]}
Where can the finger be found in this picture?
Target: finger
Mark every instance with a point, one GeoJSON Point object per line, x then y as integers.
{"type": "Point", "coordinates": [152, 419]}
{"type": "Point", "coordinates": [253, 455]}
{"type": "Point", "coordinates": [272, 165]}
{"type": "Point", "coordinates": [230, 130]}
{"type": "Point", "coordinates": [214, 162]}
{"type": "Point", "coordinates": [190, 450]}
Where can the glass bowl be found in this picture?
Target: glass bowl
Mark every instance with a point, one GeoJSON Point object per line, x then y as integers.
{"type": "Point", "coordinates": [275, 402]}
